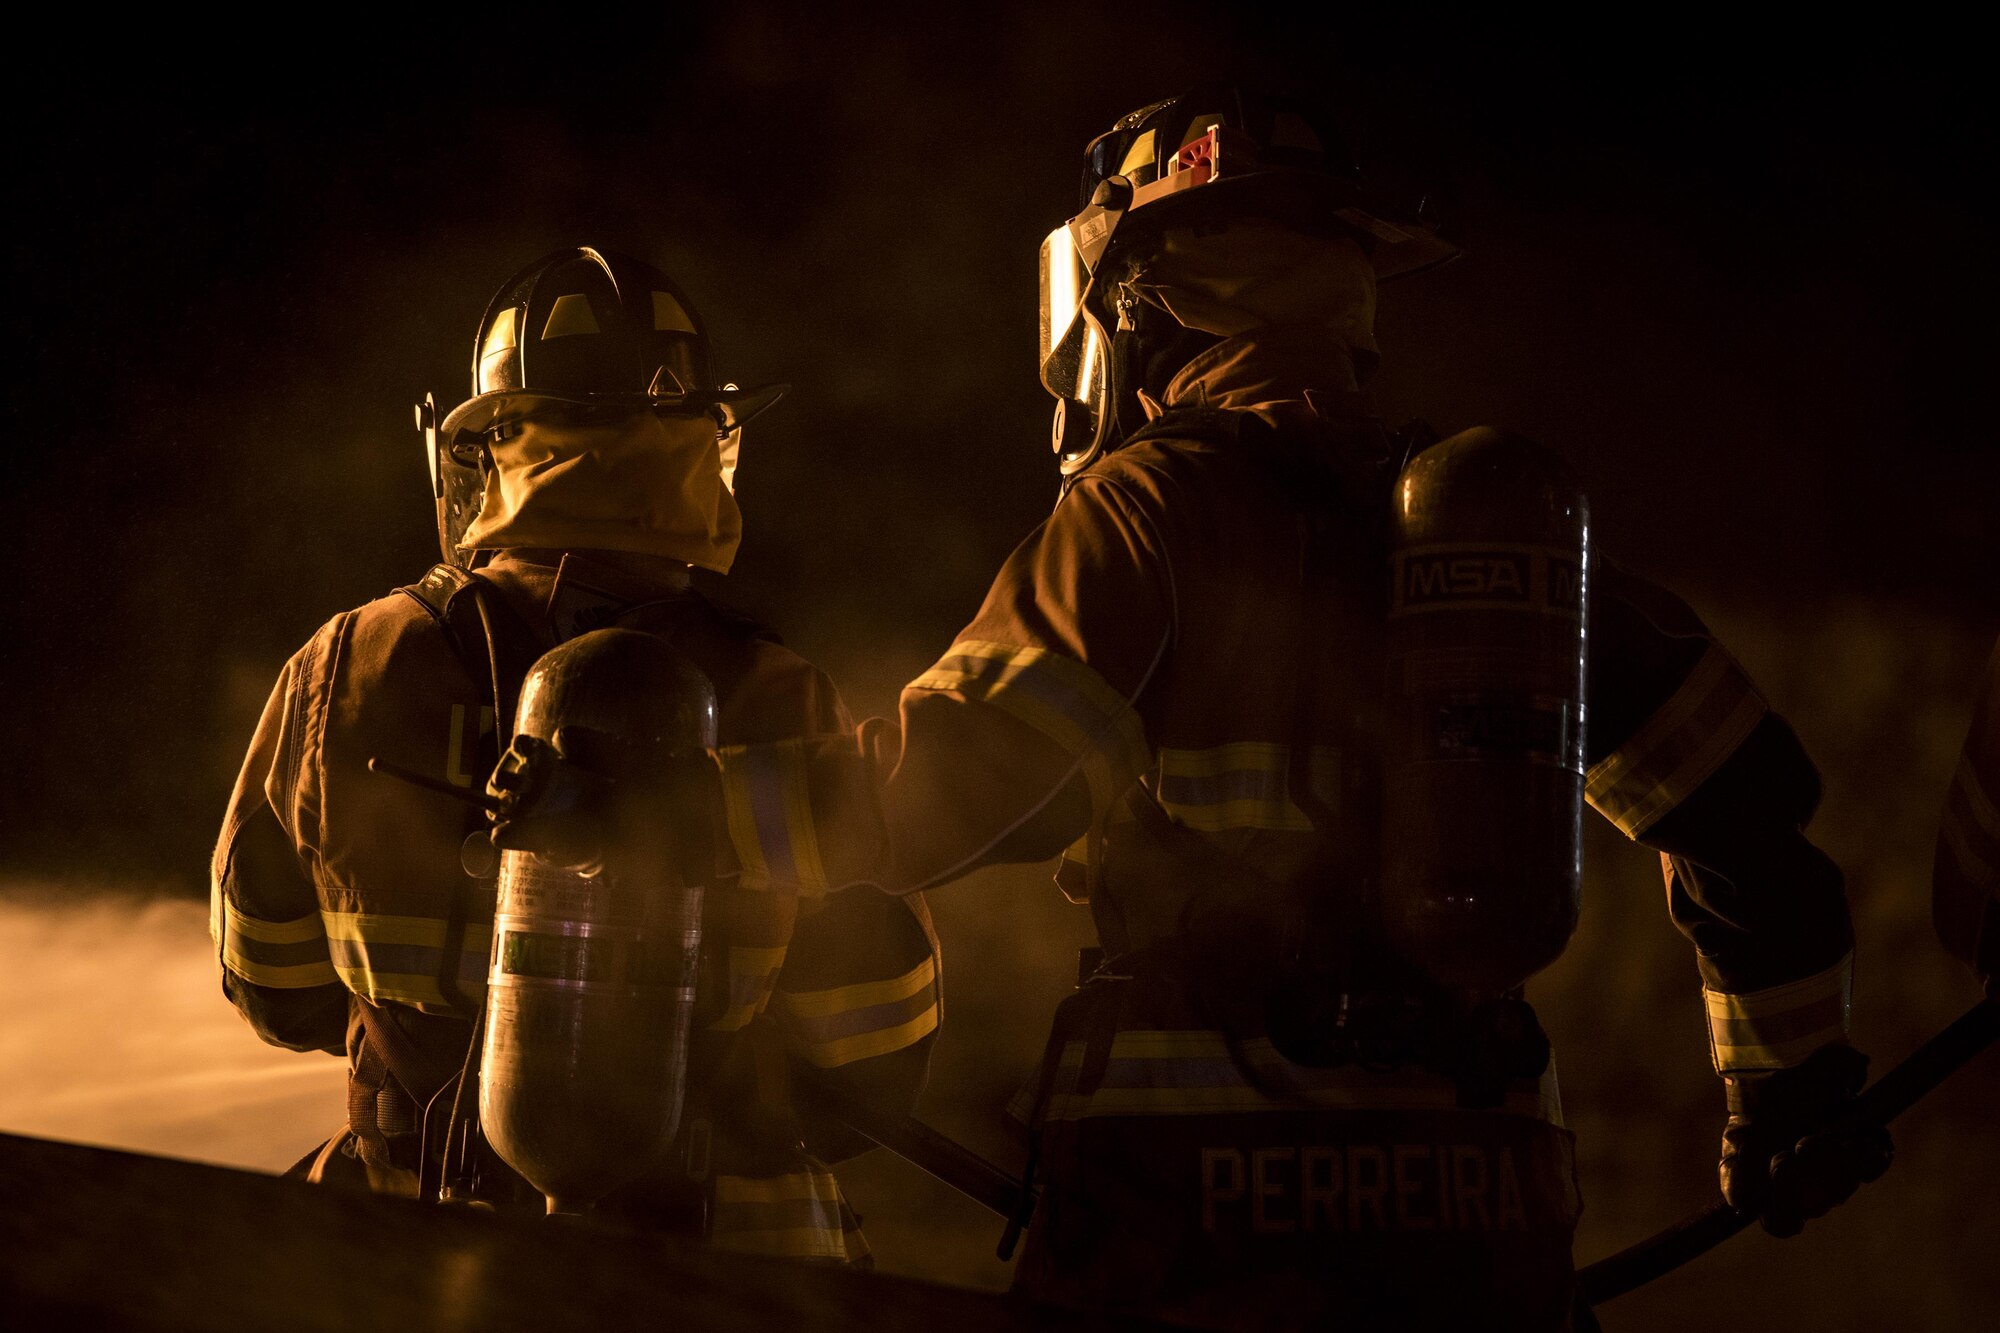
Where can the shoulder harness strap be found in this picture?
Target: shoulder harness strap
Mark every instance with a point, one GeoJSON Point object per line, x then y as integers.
{"type": "Point", "coordinates": [492, 642]}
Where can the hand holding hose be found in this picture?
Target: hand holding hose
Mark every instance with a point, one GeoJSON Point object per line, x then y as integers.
{"type": "Point", "coordinates": [1790, 1152]}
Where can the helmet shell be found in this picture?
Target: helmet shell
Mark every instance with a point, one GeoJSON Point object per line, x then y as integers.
{"type": "Point", "coordinates": [1216, 153]}
{"type": "Point", "coordinates": [1222, 151]}
{"type": "Point", "coordinates": [596, 328]}
{"type": "Point", "coordinates": [584, 326]}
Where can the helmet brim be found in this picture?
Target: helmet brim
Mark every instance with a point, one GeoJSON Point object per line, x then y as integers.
{"type": "Point", "coordinates": [732, 408]}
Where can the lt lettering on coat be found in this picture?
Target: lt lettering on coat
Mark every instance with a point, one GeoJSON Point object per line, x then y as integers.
{"type": "Point", "coordinates": [459, 745]}
{"type": "Point", "coordinates": [1361, 1187]}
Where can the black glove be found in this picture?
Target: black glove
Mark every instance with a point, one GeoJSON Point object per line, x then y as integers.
{"type": "Point", "coordinates": [550, 805]}
{"type": "Point", "coordinates": [1777, 1163]}
{"type": "Point", "coordinates": [591, 798]}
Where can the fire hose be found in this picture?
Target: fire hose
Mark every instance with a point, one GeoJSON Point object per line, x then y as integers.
{"type": "Point", "coordinates": [1881, 1102]}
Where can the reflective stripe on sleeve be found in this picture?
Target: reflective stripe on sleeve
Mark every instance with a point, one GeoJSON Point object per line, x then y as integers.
{"type": "Point", "coordinates": [397, 959]}
{"type": "Point", "coordinates": [1244, 785]}
{"type": "Point", "coordinates": [753, 975]}
{"type": "Point", "coordinates": [1059, 697]}
{"type": "Point", "coordinates": [1779, 1027]}
{"type": "Point", "coordinates": [1176, 1073]}
{"type": "Point", "coordinates": [839, 1026]}
{"type": "Point", "coordinates": [1674, 752]}
{"type": "Point", "coordinates": [282, 955]}
{"type": "Point", "coordinates": [768, 804]}
{"type": "Point", "coordinates": [1971, 828]}
{"type": "Point", "coordinates": [800, 1215]}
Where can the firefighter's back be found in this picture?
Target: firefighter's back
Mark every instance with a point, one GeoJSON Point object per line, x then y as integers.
{"type": "Point", "coordinates": [1213, 1147]}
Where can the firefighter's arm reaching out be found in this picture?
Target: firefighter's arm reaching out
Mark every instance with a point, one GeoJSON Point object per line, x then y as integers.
{"type": "Point", "coordinates": [1021, 734]}
{"type": "Point", "coordinates": [1687, 758]}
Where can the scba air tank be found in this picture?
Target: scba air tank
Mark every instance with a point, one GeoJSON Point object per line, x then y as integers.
{"type": "Point", "coordinates": [590, 998]}
{"type": "Point", "coordinates": [1484, 749]}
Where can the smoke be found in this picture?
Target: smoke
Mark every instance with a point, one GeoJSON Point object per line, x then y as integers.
{"type": "Point", "coordinates": [114, 1031]}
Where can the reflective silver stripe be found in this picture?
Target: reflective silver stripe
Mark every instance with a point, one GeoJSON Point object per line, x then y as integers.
{"type": "Point", "coordinates": [768, 804]}
{"type": "Point", "coordinates": [1679, 747]}
{"type": "Point", "coordinates": [1060, 697]}
{"type": "Point", "coordinates": [396, 959]}
{"type": "Point", "coordinates": [1242, 785]}
{"type": "Point", "coordinates": [1779, 1027]}
{"type": "Point", "coordinates": [281, 955]}
{"type": "Point", "coordinates": [839, 1026]}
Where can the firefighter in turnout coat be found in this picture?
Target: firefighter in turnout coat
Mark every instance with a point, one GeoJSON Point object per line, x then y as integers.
{"type": "Point", "coordinates": [1253, 1112]}
{"type": "Point", "coordinates": [352, 913]}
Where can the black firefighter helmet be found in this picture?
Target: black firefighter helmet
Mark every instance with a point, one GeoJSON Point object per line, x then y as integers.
{"type": "Point", "coordinates": [1200, 159]}
{"type": "Point", "coordinates": [586, 327]}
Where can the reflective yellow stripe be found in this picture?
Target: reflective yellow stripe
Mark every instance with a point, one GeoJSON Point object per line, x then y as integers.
{"type": "Point", "coordinates": [847, 1023]}
{"type": "Point", "coordinates": [1241, 785]}
{"type": "Point", "coordinates": [282, 955]}
{"type": "Point", "coordinates": [296, 976]}
{"type": "Point", "coordinates": [1679, 747]}
{"type": "Point", "coordinates": [740, 813]}
{"type": "Point", "coordinates": [866, 1045]}
{"type": "Point", "coordinates": [753, 973]}
{"type": "Point", "coordinates": [1779, 1027]}
{"type": "Point", "coordinates": [767, 801]}
{"type": "Point", "coordinates": [392, 987]}
{"type": "Point", "coordinates": [375, 928]}
{"type": "Point", "coordinates": [300, 930]}
{"type": "Point", "coordinates": [799, 1215]}
{"type": "Point", "coordinates": [1179, 1073]}
{"type": "Point", "coordinates": [862, 995]}
{"type": "Point", "coordinates": [396, 959]}
{"type": "Point", "coordinates": [1058, 696]}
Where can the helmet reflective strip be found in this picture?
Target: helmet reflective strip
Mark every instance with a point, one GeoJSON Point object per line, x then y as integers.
{"type": "Point", "coordinates": [502, 335]}
{"type": "Point", "coordinates": [669, 316]}
{"type": "Point", "coordinates": [1140, 154]}
{"type": "Point", "coordinates": [571, 314]}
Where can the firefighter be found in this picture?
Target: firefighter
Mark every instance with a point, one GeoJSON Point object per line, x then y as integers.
{"type": "Point", "coordinates": [1253, 1111]}
{"type": "Point", "coordinates": [1965, 885]}
{"type": "Point", "coordinates": [588, 473]}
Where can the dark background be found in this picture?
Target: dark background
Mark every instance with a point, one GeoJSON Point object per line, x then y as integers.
{"type": "Point", "coordinates": [1743, 277]}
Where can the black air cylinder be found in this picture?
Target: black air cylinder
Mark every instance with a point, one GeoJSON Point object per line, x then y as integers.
{"type": "Point", "coordinates": [1483, 754]}
{"type": "Point", "coordinates": [590, 999]}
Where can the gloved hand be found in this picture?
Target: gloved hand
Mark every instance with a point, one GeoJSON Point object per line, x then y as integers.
{"type": "Point", "coordinates": [584, 800]}
{"type": "Point", "coordinates": [549, 804]}
{"type": "Point", "coordinates": [1775, 1162]}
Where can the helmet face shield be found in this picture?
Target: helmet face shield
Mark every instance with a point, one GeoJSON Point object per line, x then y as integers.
{"type": "Point", "coordinates": [1074, 353]}
{"type": "Point", "coordinates": [1070, 354]}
